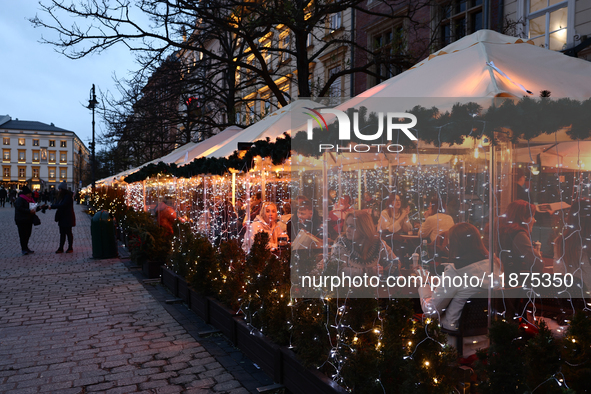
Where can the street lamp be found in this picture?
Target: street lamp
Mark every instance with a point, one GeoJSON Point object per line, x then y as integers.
{"type": "Point", "coordinates": [92, 103]}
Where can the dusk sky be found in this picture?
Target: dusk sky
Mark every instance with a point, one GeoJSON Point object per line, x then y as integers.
{"type": "Point", "coordinates": [39, 84]}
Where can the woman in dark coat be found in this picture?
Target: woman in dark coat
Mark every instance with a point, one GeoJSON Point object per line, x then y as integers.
{"type": "Point", "coordinates": [23, 217]}
{"type": "Point", "coordinates": [64, 216]}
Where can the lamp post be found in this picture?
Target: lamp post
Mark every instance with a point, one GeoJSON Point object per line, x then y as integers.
{"type": "Point", "coordinates": [92, 103]}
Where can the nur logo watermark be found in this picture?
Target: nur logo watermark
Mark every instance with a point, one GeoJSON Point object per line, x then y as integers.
{"type": "Point", "coordinates": [392, 121]}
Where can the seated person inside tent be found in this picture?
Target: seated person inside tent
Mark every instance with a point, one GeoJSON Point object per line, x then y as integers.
{"type": "Point", "coordinates": [337, 216]}
{"type": "Point", "coordinates": [305, 218]}
{"type": "Point", "coordinates": [359, 250]}
{"type": "Point", "coordinates": [517, 251]}
{"type": "Point", "coordinates": [393, 223]}
{"type": "Point", "coordinates": [436, 221]}
{"type": "Point", "coordinates": [265, 221]}
{"type": "Point", "coordinates": [571, 249]}
{"type": "Point", "coordinates": [467, 257]}
{"type": "Point", "coordinates": [165, 215]}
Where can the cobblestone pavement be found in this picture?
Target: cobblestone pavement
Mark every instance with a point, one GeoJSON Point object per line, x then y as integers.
{"type": "Point", "coordinates": [70, 324]}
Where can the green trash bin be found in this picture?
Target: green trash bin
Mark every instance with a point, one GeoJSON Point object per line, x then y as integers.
{"type": "Point", "coordinates": [102, 231]}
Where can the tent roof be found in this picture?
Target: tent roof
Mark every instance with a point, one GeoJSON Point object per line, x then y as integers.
{"type": "Point", "coordinates": [272, 126]}
{"type": "Point", "coordinates": [208, 145]}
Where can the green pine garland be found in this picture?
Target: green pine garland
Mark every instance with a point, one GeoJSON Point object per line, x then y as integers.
{"type": "Point", "coordinates": [526, 119]}
{"type": "Point", "coordinates": [278, 151]}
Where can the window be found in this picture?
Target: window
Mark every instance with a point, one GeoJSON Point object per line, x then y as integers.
{"type": "Point", "coordinates": [52, 156]}
{"type": "Point", "coordinates": [63, 174]}
{"type": "Point", "coordinates": [266, 105]}
{"type": "Point", "coordinates": [22, 172]}
{"type": "Point", "coordinates": [547, 22]}
{"type": "Point", "coordinates": [459, 18]}
{"type": "Point", "coordinates": [334, 21]}
{"type": "Point", "coordinates": [63, 144]}
{"type": "Point", "coordinates": [251, 113]}
{"type": "Point", "coordinates": [35, 142]}
{"type": "Point", "coordinates": [51, 173]}
{"type": "Point", "coordinates": [36, 156]}
{"type": "Point", "coordinates": [6, 140]}
{"type": "Point", "coordinates": [6, 155]}
{"type": "Point", "coordinates": [6, 172]}
{"type": "Point", "coordinates": [63, 157]}
{"type": "Point", "coordinates": [51, 143]}
{"type": "Point", "coordinates": [35, 172]}
{"type": "Point", "coordinates": [335, 89]}
{"type": "Point", "coordinates": [285, 45]}
{"type": "Point", "coordinates": [22, 156]}
{"type": "Point", "coordinates": [265, 53]}
{"type": "Point", "coordinates": [309, 40]}
{"type": "Point", "coordinates": [388, 44]}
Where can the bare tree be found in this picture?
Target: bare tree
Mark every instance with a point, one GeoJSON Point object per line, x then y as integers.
{"type": "Point", "coordinates": [245, 24]}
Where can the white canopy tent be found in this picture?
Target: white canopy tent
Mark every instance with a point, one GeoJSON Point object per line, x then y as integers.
{"type": "Point", "coordinates": [272, 126]}
{"type": "Point", "coordinates": [209, 145]}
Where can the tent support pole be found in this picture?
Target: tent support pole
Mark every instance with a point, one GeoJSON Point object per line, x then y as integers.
{"type": "Point", "coordinates": [144, 194]}
{"type": "Point", "coordinates": [325, 208]}
{"type": "Point", "coordinates": [359, 188]}
{"type": "Point", "coordinates": [233, 189]}
{"type": "Point", "coordinates": [491, 234]}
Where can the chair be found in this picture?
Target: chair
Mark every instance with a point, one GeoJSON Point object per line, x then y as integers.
{"type": "Point", "coordinates": [473, 320]}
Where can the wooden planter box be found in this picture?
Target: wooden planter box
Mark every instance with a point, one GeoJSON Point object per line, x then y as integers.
{"type": "Point", "coordinates": [170, 280]}
{"type": "Point", "coordinates": [279, 362]}
{"type": "Point", "coordinates": [260, 349]}
{"type": "Point", "coordinates": [222, 318]}
{"type": "Point", "coordinates": [183, 291]}
{"type": "Point", "coordinates": [151, 269]}
{"type": "Point", "coordinates": [199, 305]}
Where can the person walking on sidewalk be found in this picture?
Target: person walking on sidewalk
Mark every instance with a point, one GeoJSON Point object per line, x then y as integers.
{"type": "Point", "coordinates": [23, 217]}
{"type": "Point", "coordinates": [12, 196]}
{"type": "Point", "coordinates": [3, 196]}
{"type": "Point", "coordinates": [64, 216]}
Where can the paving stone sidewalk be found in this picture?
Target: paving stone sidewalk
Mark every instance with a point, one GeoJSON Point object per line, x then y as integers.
{"type": "Point", "coordinates": [71, 324]}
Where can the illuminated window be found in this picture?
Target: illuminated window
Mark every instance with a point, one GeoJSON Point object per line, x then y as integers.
{"type": "Point", "coordinates": [547, 23]}
{"type": "Point", "coordinates": [285, 45]}
{"type": "Point", "coordinates": [6, 140]}
{"type": "Point", "coordinates": [51, 173]}
{"type": "Point", "coordinates": [51, 143]}
{"type": "Point", "coordinates": [22, 172]}
{"type": "Point", "coordinates": [35, 172]}
{"type": "Point", "coordinates": [22, 156]}
{"type": "Point", "coordinates": [335, 21]}
{"type": "Point", "coordinates": [6, 155]}
{"type": "Point", "coordinates": [35, 142]}
{"type": "Point", "coordinates": [63, 144]}
{"type": "Point", "coordinates": [63, 174]}
{"type": "Point", "coordinates": [36, 156]}
{"type": "Point", "coordinates": [21, 142]}
{"type": "Point", "coordinates": [52, 156]}
{"type": "Point", "coordinates": [63, 157]}
{"type": "Point", "coordinates": [6, 172]}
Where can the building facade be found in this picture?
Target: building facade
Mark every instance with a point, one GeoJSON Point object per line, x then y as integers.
{"type": "Point", "coordinates": [40, 155]}
{"type": "Point", "coordinates": [557, 25]}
